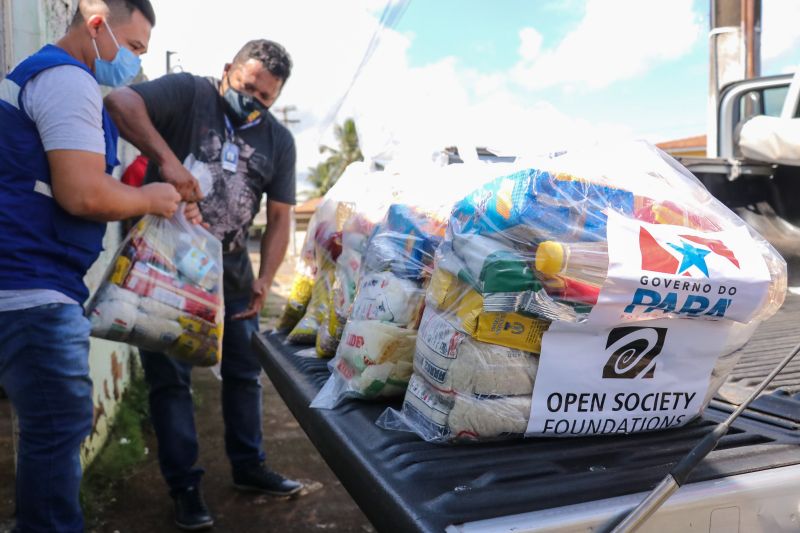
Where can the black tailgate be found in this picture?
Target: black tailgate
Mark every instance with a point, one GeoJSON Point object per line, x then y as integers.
{"type": "Point", "coordinates": [404, 484]}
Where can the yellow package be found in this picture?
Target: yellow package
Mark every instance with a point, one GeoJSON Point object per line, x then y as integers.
{"type": "Point", "coordinates": [201, 327]}
{"type": "Point", "coordinates": [327, 338]}
{"type": "Point", "coordinates": [468, 309]}
{"type": "Point", "coordinates": [301, 289]}
{"type": "Point", "coordinates": [452, 295]}
{"type": "Point", "coordinates": [299, 296]}
{"type": "Point", "coordinates": [196, 350]}
{"type": "Point", "coordinates": [511, 330]}
{"type": "Point", "coordinates": [305, 332]}
{"type": "Point", "coordinates": [444, 288]}
{"type": "Point", "coordinates": [121, 269]}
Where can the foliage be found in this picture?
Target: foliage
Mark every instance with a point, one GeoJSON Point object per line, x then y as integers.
{"type": "Point", "coordinates": [325, 174]}
{"type": "Point", "coordinates": [123, 451]}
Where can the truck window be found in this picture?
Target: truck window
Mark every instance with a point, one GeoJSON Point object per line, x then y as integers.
{"type": "Point", "coordinates": [767, 101]}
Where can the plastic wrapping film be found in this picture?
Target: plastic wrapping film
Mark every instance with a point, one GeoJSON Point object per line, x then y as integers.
{"type": "Point", "coordinates": [163, 292]}
{"type": "Point", "coordinates": [322, 248]}
{"type": "Point", "coordinates": [390, 292]}
{"type": "Point", "coordinates": [602, 291]}
{"type": "Point", "coordinates": [370, 207]}
{"type": "Point", "coordinates": [331, 257]}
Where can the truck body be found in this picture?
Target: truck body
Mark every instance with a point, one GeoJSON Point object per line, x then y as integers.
{"type": "Point", "coordinates": [749, 483]}
{"type": "Point", "coordinates": [763, 193]}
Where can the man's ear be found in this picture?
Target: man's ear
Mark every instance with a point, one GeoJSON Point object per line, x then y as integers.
{"type": "Point", "coordinates": [93, 25]}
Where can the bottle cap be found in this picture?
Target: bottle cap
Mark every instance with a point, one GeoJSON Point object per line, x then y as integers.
{"type": "Point", "coordinates": [550, 258]}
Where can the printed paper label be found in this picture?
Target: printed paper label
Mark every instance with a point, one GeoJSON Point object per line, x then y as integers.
{"type": "Point", "coordinates": [658, 269]}
{"type": "Point", "coordinates": [634, 377]}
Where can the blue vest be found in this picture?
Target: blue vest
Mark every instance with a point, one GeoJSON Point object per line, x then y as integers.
{"type": "Point", "coordinates": [41, 245]}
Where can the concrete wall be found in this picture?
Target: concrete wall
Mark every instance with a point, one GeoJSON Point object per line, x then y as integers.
{"type": "Point", "coordinates": [30, 24]}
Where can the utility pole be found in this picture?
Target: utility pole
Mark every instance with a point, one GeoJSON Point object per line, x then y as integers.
{"type": "Point", "coordinates": [735, 52]}
{"type": "Point", "coordinates": [751, 23]}
{"type": "Point", "coordinates": [169, 61]}
{"type": "Point", "coordinates": [285, 110]}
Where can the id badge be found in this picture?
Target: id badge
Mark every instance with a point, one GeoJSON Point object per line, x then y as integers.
{"type": "Point", "coordinates": [230, 157]}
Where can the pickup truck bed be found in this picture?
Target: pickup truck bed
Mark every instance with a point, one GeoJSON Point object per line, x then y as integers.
{"type": "Point", "coordinates": [404, 484]}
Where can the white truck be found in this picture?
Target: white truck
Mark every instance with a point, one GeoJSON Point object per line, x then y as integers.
{"type": "Point", "coordinates": [750, 483]}
{"type": "Point", "coordinates": [764, 192]}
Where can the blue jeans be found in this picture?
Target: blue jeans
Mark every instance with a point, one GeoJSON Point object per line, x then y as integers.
{"type": "Point", "coordinates": [172, 410]}
{"type": "Point", "coordinates": [44, 368]}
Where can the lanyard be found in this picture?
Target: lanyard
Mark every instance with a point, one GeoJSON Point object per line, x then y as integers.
{"type": "Point", "coordinates": [229, 130]}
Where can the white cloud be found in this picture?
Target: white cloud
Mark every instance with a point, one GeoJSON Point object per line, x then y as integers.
{"type": "Point", "coordinates": [530, 44]}
{"type": "Point", "coordinates": [779, 33]}
{"type": "Point", "coordinates": [616, 40]}
{"type": "Point", "coordinates": [413, 109]}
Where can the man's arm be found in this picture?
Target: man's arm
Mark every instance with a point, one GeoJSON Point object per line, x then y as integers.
{"type": "Point", "coordinates": [129, 112]}
{"type": "Point", "coordinates": [273, 249]}
{"type": "Point", "coordinates": [83, 189]}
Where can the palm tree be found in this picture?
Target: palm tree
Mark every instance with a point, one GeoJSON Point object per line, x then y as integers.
{"type": "Point", "coordinates": [325, 174]}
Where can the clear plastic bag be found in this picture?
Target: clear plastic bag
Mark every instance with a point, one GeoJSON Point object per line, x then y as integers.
{"type": "Point", "coordinates": [319, 261]}
{"type": "Point", "coordinates": [395, 269]}
{"type": "Point", "coordinates": [163, 292]}
{"type": "Point", "coordinates": [305, 331]}
{"type": "Point", "coordinates": [374, 359]}
{"type": "Point", "coordinates": [299, 298]}
{"type": "Point", "coordinates": [600, 291]}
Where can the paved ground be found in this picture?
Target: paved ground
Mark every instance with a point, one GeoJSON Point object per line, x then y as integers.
{"type": "Point", "coordinates": [140, 503]}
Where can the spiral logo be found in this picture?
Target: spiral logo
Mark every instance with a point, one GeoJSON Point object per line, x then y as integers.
{"type": "Point", "coordinates": [633, 351]}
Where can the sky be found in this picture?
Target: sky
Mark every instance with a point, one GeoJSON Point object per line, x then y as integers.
{"type": "Point", "coordinates": [518, 76]}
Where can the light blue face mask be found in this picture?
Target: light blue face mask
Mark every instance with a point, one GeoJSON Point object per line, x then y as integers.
{"type": "Point", "coordinates": [121, 71]}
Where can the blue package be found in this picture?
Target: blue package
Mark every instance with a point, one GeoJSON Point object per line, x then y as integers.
{"type": "Point", "coordinates": [549, 207]}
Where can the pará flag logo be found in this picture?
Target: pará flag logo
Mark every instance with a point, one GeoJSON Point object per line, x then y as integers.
{"type": "Point", "coordinates": [686, 256]}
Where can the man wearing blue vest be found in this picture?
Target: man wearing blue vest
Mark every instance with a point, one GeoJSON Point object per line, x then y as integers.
{"type": "Point", "coordinates": [57, 147]}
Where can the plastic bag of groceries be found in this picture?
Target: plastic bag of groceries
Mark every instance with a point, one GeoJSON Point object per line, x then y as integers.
{"type": "Point", "coordinates": [603, 291]}
{"type": "Point", "coordinates": [335, 241]}
{"type": "Point", "coordinates": [300, 292]}
{"type": "Point", "coordinates": [374, 358]}
{"type": "Point", "coordinates": [303, 314]}
{"type": "Point", "coordinates": [364, 212]}
{"type": "Point", "coordinates": [326, 237]}
{"type": "Point", "coordinates": [367, 214]}
{"type": "Point", "coordinates": [163, 292]}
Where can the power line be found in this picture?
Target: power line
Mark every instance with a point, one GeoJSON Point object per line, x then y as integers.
{"type": "Point", "coordinates": [392, 13]}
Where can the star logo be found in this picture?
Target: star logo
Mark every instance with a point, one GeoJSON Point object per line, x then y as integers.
{"type": "Point", "coordinates": [692, 256]}
{"type": "Point", "coordinates": [661, 257]}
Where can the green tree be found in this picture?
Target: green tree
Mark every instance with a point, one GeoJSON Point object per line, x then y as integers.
{"type": "Point", "coordinates": [327, 172]}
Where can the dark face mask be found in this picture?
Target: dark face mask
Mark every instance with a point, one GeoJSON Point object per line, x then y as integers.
{"type": "Point", "coordinates": [242, 108]}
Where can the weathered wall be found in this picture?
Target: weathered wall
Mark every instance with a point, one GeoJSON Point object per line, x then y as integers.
{"type": "Point", "coordinates": [57, 16]}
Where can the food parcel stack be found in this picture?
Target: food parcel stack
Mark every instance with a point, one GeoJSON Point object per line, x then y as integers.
{"type": "Point", "coordinates": [330, 259]}
{"type": "Point", "coordinates": [163, 292]}
{"type": "Point", "coordinates": [603, 291]}
{"type": "Point", "coordinates": [374, 357]}
{"type": "Point", "coordinates": [381, 191]}
{"type": "Point", "coordinates": [309, 303]}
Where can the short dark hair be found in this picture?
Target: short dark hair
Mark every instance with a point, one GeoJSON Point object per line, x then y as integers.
{"type": "Point", "coordinates": [273, 56]}
{"type": "Point", "coordinates": [129, 6]}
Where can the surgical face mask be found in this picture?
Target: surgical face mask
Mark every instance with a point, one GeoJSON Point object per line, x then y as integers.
{"type": "Point", "coordinates": [242, 108]}
{"type": "Point", "coordinates": [121, 70]}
